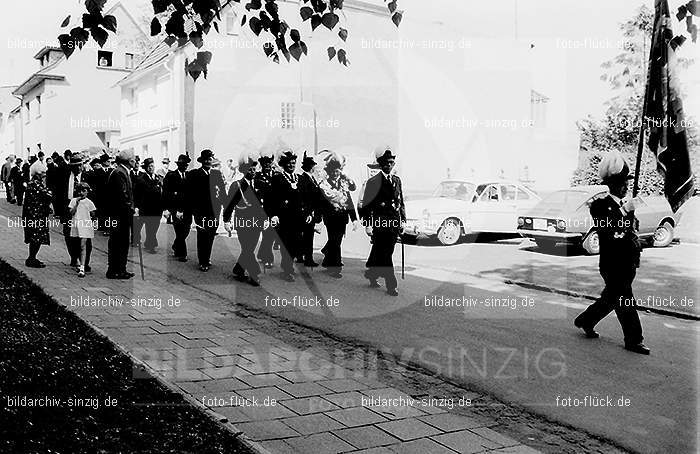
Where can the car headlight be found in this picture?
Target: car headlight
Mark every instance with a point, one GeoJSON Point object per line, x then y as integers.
{"type": "Point", "coordinates": [521, 221]}
{"type": "Point", "coordinates": [561, 224]}
{"type": "Point", "coordinates": [528, 221]}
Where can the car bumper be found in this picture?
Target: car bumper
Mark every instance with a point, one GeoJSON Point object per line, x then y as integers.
{"type": "Point", "coordinates": [559, 237]}
{"type": "Point", "coordinates": [418, 230]}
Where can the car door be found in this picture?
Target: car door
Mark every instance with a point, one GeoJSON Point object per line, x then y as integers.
{"type": "Point", "coordinates": [486, 213]}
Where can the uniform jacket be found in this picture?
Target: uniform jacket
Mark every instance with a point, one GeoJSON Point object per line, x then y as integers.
{"type": "Point", "coordinates": [285, 201]}
{"type": "Point", "coordinates": [382, 205]}
{"type": "Point", "coordinates": [175, 192]}
{"type": "Point", "coordinates": [205, 193]}
{"type": "Point", "coordinates": [311, 197]}
{"type": "Point", "coordinates": [121, 193]}
{"type": "Point", "coordinates": [619, 243]}
{"type": "Point", "coordinates": [243, 198]}
{"type": "Point", "coordinates": [148, 195]}
{"type": "Point", "coordinates": [263, 187]}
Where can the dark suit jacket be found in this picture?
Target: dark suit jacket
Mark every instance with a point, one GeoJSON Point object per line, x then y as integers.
{"type": "Point", "coordinates": [382, 204]}
{"type": "Point", "coordinates": [60, 190]}
{"type": "Point", "coordinates": [120, 193]}
{"type": "Point", "coordinates": [285, 201]}
{"type": "Point", "coordinates": [311, 197]}
{"type": "Point", "coordinates": [148, 195]}
{"type": "Point", "coordinates": [175, 192]}
{"type": "Point", "coordinates": [263, 187]}
{"type": "Point", "coordinates": [619, 243]}
{"type": "Point", "coordinates": [205, 194]}
{"type": "Point", "coordinates": [97, 179]}
{"type": "Point", "coordinates": [245, 201]}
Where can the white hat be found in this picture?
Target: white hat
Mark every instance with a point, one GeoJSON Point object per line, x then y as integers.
{"type": "Point", "coordinates": [613, 167]}
{"type": "Point", "coordinates": [246, 160]}
{"type": "Point", "coordinates": [37, 167]}
{"type": "Point", "coordinates": [384, 151]}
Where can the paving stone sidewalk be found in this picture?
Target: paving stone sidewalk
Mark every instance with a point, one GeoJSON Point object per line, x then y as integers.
{"type": "Point", "coordinates": [284, 399]}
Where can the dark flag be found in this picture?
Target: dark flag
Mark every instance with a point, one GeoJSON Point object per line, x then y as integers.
{"type": "Point", "coordinates": [663, 112]}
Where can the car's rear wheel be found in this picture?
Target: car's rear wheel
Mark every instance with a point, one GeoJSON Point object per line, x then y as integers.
{"type": "Point", "coordinates": [591, 244]}
{"type": "Point", "coordinates": [663, 235]}
{"type": "Point", "coordinates": [450, 232]}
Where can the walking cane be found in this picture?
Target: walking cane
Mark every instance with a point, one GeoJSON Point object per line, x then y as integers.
{"type": "Point", "coordinates": [143, 278]}
{"type": "Point", "coordinates": [403, 253]}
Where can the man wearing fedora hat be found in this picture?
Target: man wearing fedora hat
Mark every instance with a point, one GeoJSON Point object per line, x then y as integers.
{"type": "Point", "coordinates": [120, 214]}
{"type": "Point", "coordinates": [249, 219]}
{"type": "Point", "coordinates": [615, 224]}
{"type": "Point", "coordinates": [206, 192]}
{"type": "Point", "coordinates": [263, 186]}
{"type": "Point", "coordinates": [148, 198]}
{"type": "Point", "coordinates": [67, 179]}
{"type": "Point", "coordinates": [175, 200]}
{"type": "Point", "coordinates": [285, 207]}
{"type": "Point", "coordinates": [311, 202]}
{"type": "Point", "coordinates": [383, 214]}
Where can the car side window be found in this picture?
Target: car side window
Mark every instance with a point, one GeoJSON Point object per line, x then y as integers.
{"type": "Point", "coordinates": [522, 194]}
{"type": "Point", "coordinates": [508, 192]}
{"type": "Point", "coordinates": [490, 194]}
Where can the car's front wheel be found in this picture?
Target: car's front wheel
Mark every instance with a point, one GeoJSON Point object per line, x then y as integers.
{"type": "Point", "coordinates": [663, 235]}
{"type": "Point", "coordinates": [450, 232]}
{"type": "Point", "coordinates": [591, 244]}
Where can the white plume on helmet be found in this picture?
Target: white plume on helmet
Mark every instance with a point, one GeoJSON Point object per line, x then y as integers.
{"type": "Point", "coordinates": [612, 165]}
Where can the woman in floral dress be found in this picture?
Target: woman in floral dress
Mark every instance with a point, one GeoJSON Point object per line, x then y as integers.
{"type": "Point", "coordinates": [338, 211]}
{"type": "Point", "coordinates": [36, 213]}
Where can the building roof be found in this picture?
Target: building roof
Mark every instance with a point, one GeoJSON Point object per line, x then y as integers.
{"type": "Point", "coordinates": [38, 77]}
{"type": "Point", "coordinates": [46, 49]}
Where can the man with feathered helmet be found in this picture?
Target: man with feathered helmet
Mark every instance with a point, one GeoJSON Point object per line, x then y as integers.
{"type": "Point", "coordinates": [285, 209]}
{"type": "Point", "coordinates": [383, 214]}
{"type": "Point", "coordinates": [249, 219]}
{"type": "Point", "coordinates": [615, 224]}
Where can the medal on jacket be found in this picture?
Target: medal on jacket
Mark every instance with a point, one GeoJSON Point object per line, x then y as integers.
{"type": "Point", "coordinates": [292, 181]}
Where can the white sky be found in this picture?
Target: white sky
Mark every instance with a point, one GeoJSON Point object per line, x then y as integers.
{"type": "Point", "coordinates": [550, 24]}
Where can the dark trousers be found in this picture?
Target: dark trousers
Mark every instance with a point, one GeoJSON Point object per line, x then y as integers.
{"type": "Point", "coordinates": [72, 243]}
{"type": "Point", "coordinates": [206, 232]}
{"type": "Point", "coordinates": [248, 239]}
{"type": "Point", "coordinates": [306, 246]}
{"type": "Point", "coordinates": [332, 250]}
{"type": "Point", "coordinates": [182, 231]}
{"type": "Point", "coordinates": [617, 295]}
{"type": "Point", "coordinates": [380, 261]}
{"type": "Point", "coordinates": [151, 224]}
{"type": "Point", "coordinates": [118, 244]}
{"type": "Point", "coordinates": [265, 250]}
{"type": "Point", "coordinates": [19, 193]}
{"type": "Point", "coordinates": [289, 235]}
{"type": "Point", "coordinates": [8, 191]}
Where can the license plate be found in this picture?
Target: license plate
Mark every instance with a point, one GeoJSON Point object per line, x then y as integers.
{"type": "Point", "coordinates": [539, 224]}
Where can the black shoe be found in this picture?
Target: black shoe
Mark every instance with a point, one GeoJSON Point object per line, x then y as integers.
{"type": "Point", "coordinates": [88, 269]}
{"type": "Point", "coordinates": [73, 263]}
{"type": "Point", "coordinates": [299, 260]}
{"type": "Point", "coordinates": [151, 250]}
{"type": "Point", "coordinates": [204, 268]}
{"type": "Point", "coordinates": [110, 275]}
{"type": "Point", "coordinates": [240, 277]}
{"type": "Point", "coordinates": [335, 274]}
{"type": "Point", "coordinates": [392, 292]}
{"type": "Point", "coordinates": [589, 331]}
{"type": "Point", "coordinates": [638, 348]}
{"type": "Point", "coordinates": [182, 259]}
{"type": "Point", "coordinates": [289, 277]}
{"type": "Point", "coordinates": [34, 263]}
{"type": "Point", "coordinates": [310, 264]}
{"type": "Point", "coordinates": [253, 281]}
{"type": "Point", "coordinates": [373, 283]}
{"type": "Point", "coordinates": [128, 274]}
{"type": "Point", "coordinates": [269, 265]}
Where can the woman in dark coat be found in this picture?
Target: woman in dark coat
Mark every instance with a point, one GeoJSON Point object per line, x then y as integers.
{"type": "Point", "coordinates": [36, 214]}
{"type": "Point", "coordinates": [339, 209]}
{"type": "Point", "coordinates": [148, 197]}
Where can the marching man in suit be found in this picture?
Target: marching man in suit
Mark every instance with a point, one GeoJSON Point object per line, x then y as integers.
{"type": "Point", "coordinates": [286, 211]}
{"type": "Point", "coordinates": [249, 220]}
{"type": "Point", "coordinates": [263, 186]}
{"type": "Point", "coordinates": [120, 215]}
{"type": "Point", "coordinates": [383, 214]}
{"type": "Point", "coordinates": [310, 198]}
{"type": "Point", "coordinates": [206, 192]}
{"type": "Point", "coordinates": [175, 198]}
{"type": "Point", "coordinates": [615, 223]}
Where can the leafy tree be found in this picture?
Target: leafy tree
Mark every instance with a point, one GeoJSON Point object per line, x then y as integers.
{"type": "Point", "coordinates": [183, 21]}
{"type": "Point", "coordinates": [619, 127]}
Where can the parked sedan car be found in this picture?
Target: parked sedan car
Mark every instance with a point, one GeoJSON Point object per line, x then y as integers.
{"type": "Point", "coordinates": [460, 207]}
{"type": "Point", "coordinates": [564, 217]}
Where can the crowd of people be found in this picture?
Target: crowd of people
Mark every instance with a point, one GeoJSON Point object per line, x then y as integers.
{"type": "Point", "coordinates": [271, 206]}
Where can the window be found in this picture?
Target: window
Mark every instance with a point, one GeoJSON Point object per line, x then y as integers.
{"type": "Point", "coordinates": [490, 194]}
{"type": "Point", "coordinates": [131, 99]}
{"type": "Point", "coordinates": [163, 149]}
{"type": "Point", "coordinates": [26, 112]}
{"type": "Point", "coordinates": [522, 194]}
{"type": "Point", "coordinates": [144, 151]}
{"type": "Point", "coordinates": [38, 107]}
{"type": "Point", "coordinates": [288, 114]}
{"type": "Point", "coordinates": [129, 61]}
{"type": "Point", "coordinates": [233, 24]}
{"type": "Point", "coordinates": [104, 58]}
{"type": "Point", "coordinates": [508, 192]}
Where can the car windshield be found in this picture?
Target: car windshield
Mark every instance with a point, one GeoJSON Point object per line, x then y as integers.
{"type": "Point", "coordinates": [459, 190]}
{"type": "Point", "coordinates": [567, 200]}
